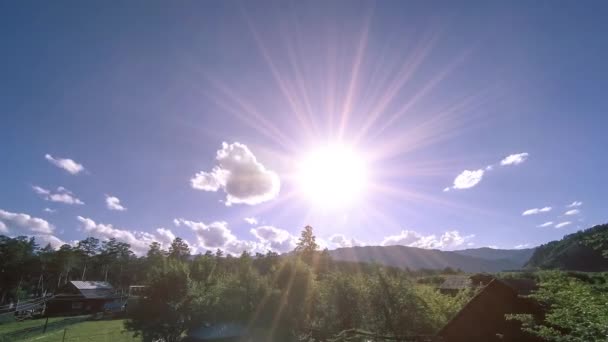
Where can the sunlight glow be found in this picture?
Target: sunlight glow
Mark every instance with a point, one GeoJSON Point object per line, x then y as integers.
{"type": "Point", "coordinates": [332, 176]}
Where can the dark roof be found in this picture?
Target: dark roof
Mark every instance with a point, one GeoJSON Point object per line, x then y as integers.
{"type": "Point", "coordinates": [456, 283]}
{"type": "Point", "coordinates": [87, 289]}
{"type": "Point", "coordinates": [523, 286]}
{"type": "Point", "coordinates": [486, 311]}
{"type": "Point", "coordinates": [91, 285]}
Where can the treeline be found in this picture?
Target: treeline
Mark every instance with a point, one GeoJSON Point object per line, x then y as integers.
{"type": "Point", "coordinates": [304, 295]}
{"type": "Point", "coordinates": [28, 270]}
{"type": "Point", "coordinates": [281, 297]}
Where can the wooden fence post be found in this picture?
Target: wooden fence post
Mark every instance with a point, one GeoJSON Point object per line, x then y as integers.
{"type": "Point", "coordinates": [45, 324]}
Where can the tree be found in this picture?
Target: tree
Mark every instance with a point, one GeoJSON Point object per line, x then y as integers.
{"type": "Point", "coordinates": [163, 313]}
{"type": "Point", "coordinates": [577, 310]}
{"type": "Point", "coordinates": [179, 249]}
{"type": "Point", "coordinates": [114, 254]}
{"type": "Point", "coordinates": [307, 245]}
{"type": "Point", "coordinates": [87, 248]}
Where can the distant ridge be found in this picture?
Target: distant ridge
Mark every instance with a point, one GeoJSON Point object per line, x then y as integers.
{"type": "Point", "coordinates": [468, 260]}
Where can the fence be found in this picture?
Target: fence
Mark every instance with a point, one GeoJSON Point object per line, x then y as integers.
{"type": "Point", "coordinates": [48, 330]}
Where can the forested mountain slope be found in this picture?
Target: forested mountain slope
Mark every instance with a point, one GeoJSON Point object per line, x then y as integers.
{"type": "Point", "coordinates": [518, 256]}
{"type": "Point", "coordinates": [586, 250]}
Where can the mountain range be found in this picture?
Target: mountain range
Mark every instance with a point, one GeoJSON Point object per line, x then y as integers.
{"type": "Point", "coordinates": [468, 260]}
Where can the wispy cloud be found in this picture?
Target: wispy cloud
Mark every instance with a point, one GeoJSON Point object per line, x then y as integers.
{"type": "Point", "coordinates": [535, 211]}
{"type": "Point", "coordinates": [546, 224]}
{"type": "Point", "coordinates": [49, 210]}
{"type": "Point", "coordinates": [240, 175]}
{"type": "Point", "coordinates": [522, 246]}
{"type": "Point", "coordinates": [470, 178]}
{"type": "Point", "coordinates": [113, 203]}
{"type": "Point", "coordinates": [67, 164]}
{"type": "Point", "coordinates": [563, 224]}
{"type": "Point", "coordinates": [61, 195]}
{"type": "Point", "coordinates": [572, 212]}
{"type": "Point", "coordinates": [514, 159]}
{"type": "Point", "coordinates": [575, 204]}
{"type": "Point", "coordinates": [251, 220]}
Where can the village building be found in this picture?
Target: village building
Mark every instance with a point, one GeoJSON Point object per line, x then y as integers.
{"type": "Point", "coordinates": [82, 297]}
{"type": "Point", "coordinates": [483, 317]}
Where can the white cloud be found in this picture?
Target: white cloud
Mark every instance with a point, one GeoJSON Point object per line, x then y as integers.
{"type": "Point", "coordinates": [514, 159]}
{"type": "Point", "coordinates": [535, 211]}
{"type": "Point", "coordinates": [49, 210]}
{"type": "Point", "coordinates": [251, 220]}
{"type": "Point", "coordinates": [275, 239]}
{"type": "Point", "coordinates": [522, 246]}
{"type": "Point", "coordinates": [563, 224]}
{"type": "Point", "coordinates": [23, 224]}
{"type": "Point", "coordinates": [340, 240]}
{"type": "Point", "coordinates": [165, 237]}
{"type": "Point", "coordinates": [113, 203]}
{"type": "Point", "coordinates": [447, 240]}
{"type": "Point", "coordinates": [210, 236]}
{"type": "Point", "coordinates": [139, 241]}
{"type": "Point", "coordinates": [65, 163]}
{"type": "Point", "coordinates": [44, 239]}
{"type": "Point", "coordinates": [240, 176]}
{"type": "Point", "coordinates": [546, 224]}
{"type": "Point", "coordinates": [446, 189]}
{"type": "Point", "coordinates": [61, 195]}
{"type": "Point", "coordinates": [3, 228]}
{"type": "Point", "coordinates": [468, 179]}
{"type": "Point", "coordinates": [572, 212]}
{"type": "Point", "coordinates": [575, 204]}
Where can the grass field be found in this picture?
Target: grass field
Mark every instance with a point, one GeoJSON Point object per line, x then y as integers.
{"type": "Point", "coordinates": [64, 329]}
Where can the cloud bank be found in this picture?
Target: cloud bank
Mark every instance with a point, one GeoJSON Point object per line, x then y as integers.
{"type": "Point", "coordinates": [15, 224]}
{"type": "Point", "coordinates": [447, 240]}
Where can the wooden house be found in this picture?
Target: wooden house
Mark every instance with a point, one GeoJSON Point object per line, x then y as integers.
{"type": "Point", "coordinates": [483, 317]}
{"type": "Point", "coordinates": [82, 297]}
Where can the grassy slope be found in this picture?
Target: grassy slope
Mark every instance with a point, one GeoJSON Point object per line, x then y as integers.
{"type": "Point", "coordinates": [105, 330]}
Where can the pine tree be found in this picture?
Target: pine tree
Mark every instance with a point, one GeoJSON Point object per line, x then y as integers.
{"type": "Point", "coordinates": [307, 245]}
{"type": "Point", "coordinates": [179, 249]}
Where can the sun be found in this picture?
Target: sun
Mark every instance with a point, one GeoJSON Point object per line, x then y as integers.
{"type": "Point", "coordinates": [332, 176]}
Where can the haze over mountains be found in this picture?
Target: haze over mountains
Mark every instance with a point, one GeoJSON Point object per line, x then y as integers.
{"type": "Point", "coordinates": [468, 260]}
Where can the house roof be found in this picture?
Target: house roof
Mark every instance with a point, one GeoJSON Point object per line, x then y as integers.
{"type": "Point", "coordinates": [487, 309]}
{"type": "Point", "coordinates": [86, 289]}
{"type": "Point", "coordinates": [91, 285]}
{"type": "Point", "coordinates": [456, 283]}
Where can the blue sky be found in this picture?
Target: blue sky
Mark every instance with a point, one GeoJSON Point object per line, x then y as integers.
{"type": "Point", "coordinates": [194, 116]}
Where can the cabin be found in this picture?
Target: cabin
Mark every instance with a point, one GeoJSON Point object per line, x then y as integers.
{"type": "Point", "coordinates": [82, 297]}
{"type": "Point", "coordinates": [483, 317]}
